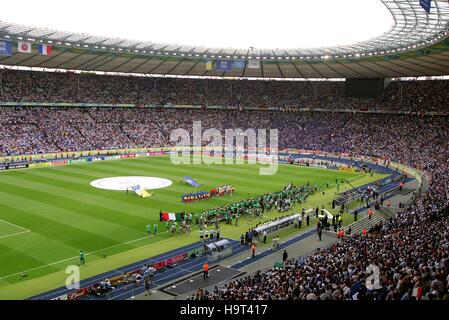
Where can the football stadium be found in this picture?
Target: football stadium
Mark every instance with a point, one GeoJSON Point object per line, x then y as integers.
{"type": "Point", "coordinates": [223, 167]}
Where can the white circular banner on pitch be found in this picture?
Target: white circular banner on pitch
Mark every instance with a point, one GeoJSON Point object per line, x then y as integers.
{"type": "Point", "coordinates": [124, 183]}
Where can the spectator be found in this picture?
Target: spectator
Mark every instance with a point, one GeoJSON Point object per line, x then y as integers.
{"type": "Point", "coordinates": [205, 270]}
{"type": "Point", "coordinates": [284, 256]}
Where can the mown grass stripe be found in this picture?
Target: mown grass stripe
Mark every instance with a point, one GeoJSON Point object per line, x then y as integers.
{"type": "Point", "coordinates": [67, 215]}
{"type": "Point", "coordinates": [57, 202]}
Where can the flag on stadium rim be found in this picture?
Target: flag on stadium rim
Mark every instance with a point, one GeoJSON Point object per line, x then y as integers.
{"type": "Point", "coordinates": [238, 64]}
{"type": "Point", "coordinates": [45, 49]}
{"type": "Point", "coordinates": [166, 216]}
{"type": "Point", "coordinates": [6, 48]}
{"type": "Point", "coordinates": [426, 4]}
{"type": "Point", "coordinates": [24, 47]}
{"type": "Point", "coordinates": [209, 65]}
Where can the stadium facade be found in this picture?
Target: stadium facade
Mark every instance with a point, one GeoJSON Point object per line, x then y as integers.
{"type": "Point", "coordinates": [416, 45]}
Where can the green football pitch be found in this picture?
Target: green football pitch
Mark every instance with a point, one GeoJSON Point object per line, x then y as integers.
{"type": "Point", "coordinates": [48, 214]}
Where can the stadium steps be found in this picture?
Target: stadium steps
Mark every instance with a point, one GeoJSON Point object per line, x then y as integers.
{"type": "Point", "coordinates": [49, 139]}
{"type": "Point", "coordinates": [359, 225]}
{"type": "Point", "coordinates": [365, 222]}
{"type": "Point", "coordinates": [78, 125]}
{"type": "Point", "coordinates": [405, 191]}
{"type": "Point", "coordinates": [43, 133]}
{"type": "Point", "coordinates": [389, 212]}
{"type": "Point", "coordinates": [127, 135]}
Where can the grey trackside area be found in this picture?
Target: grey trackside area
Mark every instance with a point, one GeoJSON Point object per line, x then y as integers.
{"type": "Point", "coordinates": [295, 246]}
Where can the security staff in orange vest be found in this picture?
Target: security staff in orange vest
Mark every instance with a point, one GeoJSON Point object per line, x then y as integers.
{"type": "Point", "coordinates": [205, 270]}
{"type": "Point", "coordinates": [253, 250]}
{"type": "Point", "coordinates": [342, 233]}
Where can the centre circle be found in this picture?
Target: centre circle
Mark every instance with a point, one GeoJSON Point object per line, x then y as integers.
{"type": "Point", "coordinates": [125, 183]}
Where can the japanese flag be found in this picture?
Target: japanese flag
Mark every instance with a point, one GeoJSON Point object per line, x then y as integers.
{"type": "Point", "coordinates": [24, 47]}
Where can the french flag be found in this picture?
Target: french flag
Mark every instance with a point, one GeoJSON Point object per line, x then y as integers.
{"type": "Point", "coordinates": [45, 49]}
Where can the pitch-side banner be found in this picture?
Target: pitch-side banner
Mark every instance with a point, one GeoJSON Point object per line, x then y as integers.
{"type": "Point", "coordinates": [170, 261]}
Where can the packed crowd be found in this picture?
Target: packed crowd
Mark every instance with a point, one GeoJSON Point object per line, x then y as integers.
{"type": "Point", "coordinates": [413, 261]}
{"type": "Point", "coordinates": [23, 86]}
{"type": "Point", "coordinates": [31, 130]}
{"type": "Point", "coordinates": [411, 249]}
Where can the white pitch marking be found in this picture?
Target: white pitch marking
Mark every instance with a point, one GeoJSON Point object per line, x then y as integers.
{"type": "Point", "coordinates": [14, 234]}
{"type": "Point", "coordinates": [25, 230]}
{"type": "Point", "coordinates": [125, 183]}
{"type": "Point", "coordinates": [68, 259]}
{"type": "Point", "coordinates": [15, 225]}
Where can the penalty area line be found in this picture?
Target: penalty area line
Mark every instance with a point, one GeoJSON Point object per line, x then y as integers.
{"type": "Point", "coordinates": [24, 230]}
{"type": "Point", "coordinates": [14, 234]}
{"type": "Point", "coordinates": [72, 258]}
{"type": "Point", "coordinates": [15, 225]}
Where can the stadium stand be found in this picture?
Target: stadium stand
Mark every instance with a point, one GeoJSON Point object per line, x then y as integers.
{"type": "Point", "coordinates": [411, 247]}
{"type": "Point", "coordinates": [27, 86]}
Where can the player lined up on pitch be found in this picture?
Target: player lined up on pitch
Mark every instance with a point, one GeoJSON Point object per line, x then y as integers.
{"type": "Point", "coordinates": [281, 201]}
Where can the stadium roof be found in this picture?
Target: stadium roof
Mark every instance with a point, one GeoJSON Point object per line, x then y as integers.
{"type": "Point", "coordinates": [416, 45]}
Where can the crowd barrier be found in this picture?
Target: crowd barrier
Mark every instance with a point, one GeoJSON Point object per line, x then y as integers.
{"type": "Point", "coordinates": [223, 107]}
{"type": "Point", "coordinates": [125, 279]}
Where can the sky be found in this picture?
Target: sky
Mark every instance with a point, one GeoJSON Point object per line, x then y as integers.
{"type": "Point", "coordinates": [231, 23]}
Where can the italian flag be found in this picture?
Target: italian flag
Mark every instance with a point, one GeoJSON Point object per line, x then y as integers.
{"type": "Point", "coordinates": [417, 293]}
{"type": "Point", "coordinates": [166, 216]}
